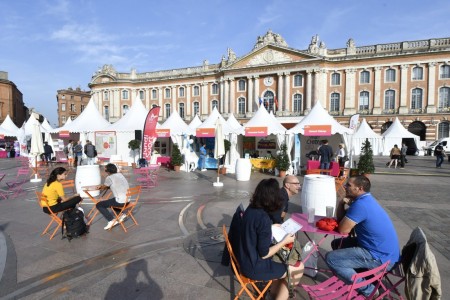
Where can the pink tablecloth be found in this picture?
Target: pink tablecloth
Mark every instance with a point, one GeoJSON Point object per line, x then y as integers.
{"type": "Point", "coordinates": [315, 164]}
{"type": "Point", "coordinates": [164, 160]}
{"type": "Point", "coordinates": [3, 154]}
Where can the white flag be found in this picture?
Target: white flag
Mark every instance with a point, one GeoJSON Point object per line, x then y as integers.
{"type": "Point", "coordinates": [354, 122]}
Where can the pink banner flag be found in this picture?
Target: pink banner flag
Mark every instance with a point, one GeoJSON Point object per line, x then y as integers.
{"type": "Point", "coordinates": [150, 133]}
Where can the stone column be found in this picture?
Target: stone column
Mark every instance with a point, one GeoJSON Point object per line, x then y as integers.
{"type": "Point", "coordinates": [115, 104]}
{"type": "Point", "coordinates": [147, 97]}
{"type": "Point", "coordinates": [403, 89]}
{"type": "Point", "coordinates": [204, 108]}
{"type": "Point", "coordinates": [232, 107]}
{"type": "Point", "coordinates": [222, 94]}
{"type": "Point", "coordinates": [280, 95]}
{"type": "Point", "coordinates": [377, 103]}
{"type": "Point", "coordinates": [431, 106]}
{"type": "Point", "coordinates": [250, 96]}
{"type": "Point", "coordinates": [160, 99]}
{"type": "Point", "coordinates": [188, 101]}
{"type": "Point", "coordinates": [287, 93]}
{"type": "Point", "coordinates": [349, 104]}
{"type": "Point", "coordinates": [257, 95]}
{"type": "Point", "coordinates": [308, 91]}
{"type": "Point", "coordinates": [323, 89]}
{"type": "Point", "coordinates": [227, 96]}
{"type": "Point", "coordinates": [174, 98]}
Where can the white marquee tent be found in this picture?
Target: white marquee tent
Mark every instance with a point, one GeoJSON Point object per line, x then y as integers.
{"type": "Point", "coordinates": [194, 124]}
{"type": "Point", "coordinates": [9, 125]}
{"type": "Point", "coordinates": [210, 122]}
{"type": "Point", "coordinates": [359, 137]}
{"type": "Point", "coordinates": [90, 120]}
{"type": "Point", "coordinates": [394, 135]}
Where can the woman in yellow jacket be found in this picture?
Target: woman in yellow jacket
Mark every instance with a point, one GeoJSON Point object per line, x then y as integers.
{"type": "Point", "coordinates": [54, 192]}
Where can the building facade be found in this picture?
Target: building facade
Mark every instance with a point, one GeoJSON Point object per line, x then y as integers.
{"type": "Point", "coordinates": [71, 103]}
{"type": "Point", "coordinates": [11, 101]}
{"type": "Point", "coordinates": [409, 80]}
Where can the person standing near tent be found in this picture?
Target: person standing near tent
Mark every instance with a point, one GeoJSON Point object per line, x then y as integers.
{"type": "Point", "coordinates": [403, 159]}
{"type": "Point", "coordinates": [201, 161]}
{"type": "Point", "coordinates": [439, 153]}
{"type": "Point", "coordinates": [78, 152]}
{"type": "Point", "coordinates": [90, 152]}
{"type": "Point", "coordinates": [48, 150]}
{"type": "Point", "coordinates": [326, 153]}
{"type": "Point", "coordinates": [395, 155]}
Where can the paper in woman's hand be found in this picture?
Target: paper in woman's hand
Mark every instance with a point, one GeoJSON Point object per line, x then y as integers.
{"type": "Point", "coordinates": [288, 227]}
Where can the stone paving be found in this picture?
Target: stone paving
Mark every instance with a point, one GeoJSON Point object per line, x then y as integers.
{"type": "Point", "coordinates": [175, 251]}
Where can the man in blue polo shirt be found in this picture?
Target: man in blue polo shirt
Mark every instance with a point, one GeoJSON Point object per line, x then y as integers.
{"type": "Point", "coordinates": [376, 240]}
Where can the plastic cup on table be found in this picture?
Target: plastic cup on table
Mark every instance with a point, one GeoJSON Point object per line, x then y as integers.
{"type": "Point", "coordinates": [311, 214]}
{"type": "Point", "coordinates": [330, 211]}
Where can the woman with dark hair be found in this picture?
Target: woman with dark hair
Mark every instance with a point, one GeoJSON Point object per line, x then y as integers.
{"type": "Point", "coordinates": [54, 192]}
{"type": "Point", "coordinates": [255, 247]}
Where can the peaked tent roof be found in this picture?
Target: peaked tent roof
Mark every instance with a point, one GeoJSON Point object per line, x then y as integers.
{"type": "Point", "coordinates": [194, 124]}
{"type": "Point", "coordinates": [30, 123]}
{"type": "Point", "coordinates": [88, 121]}
{"type": "Point", "coordinates": [234, 124]}
{"type": "Point", "coordinates": [46, 125]}
{"type": "Point", "coordinates": [134, 119]}
{"type": "Point", "coordinates": [394, 135]}
{"type": "Point", "coordinates": [263, 119]}
{"type": "Point", "coordinates": [9, 125]}
{"type": "Point", "coordinates": [319, 116]}
{"type": "Point", "coordinates": [365, 132]}
{"type": "Point", "coordinates": [7, 132]}
{"type": "Point", "coordinates": [210, 122]}
{"type": "Point", "coordinates": [176, 124]}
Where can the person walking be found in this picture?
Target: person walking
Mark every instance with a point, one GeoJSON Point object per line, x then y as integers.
{"type": "Point", "coordinates": [48, 151]}
{"type": "Point", "coordinates": [69, 152]}
{"type": "Point", "coordinates": [439, 153]}
{"type": "Point", "coordinates": [395, 155]}
{"type": "Point", "coordinates": [202, 160]}
{"type": "Point", "coordinates": [90, 152]}
{"type": "Point", "coordinates": [326, 153]}
{"type": "Point", "coordinates": [403, 159]}
{"type": "Point", "coordinates": [78, 153]}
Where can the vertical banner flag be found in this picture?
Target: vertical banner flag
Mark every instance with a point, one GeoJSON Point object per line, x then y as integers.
{"type": "Point", "coordinates": [150, 133]}
{"type": "Point", "coordinates": [354, 122]}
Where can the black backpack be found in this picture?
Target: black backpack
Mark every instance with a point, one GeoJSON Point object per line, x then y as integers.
{"type": "Point", "coordinates": [73, 222]}
{"type": "Point", "coordinates": [142, 163]}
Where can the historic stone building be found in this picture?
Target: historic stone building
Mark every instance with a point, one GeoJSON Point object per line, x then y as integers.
{"type": "Point", "coordinates": [409, 79]}
{"type": "Point", "coordinates": [71, 103]}
{"type": "Point", "coordinates": [11, 101]}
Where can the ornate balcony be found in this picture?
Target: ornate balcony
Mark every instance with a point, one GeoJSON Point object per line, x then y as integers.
{"type": "Point", "coordinates": [443, 109]}
{"type": "Point", "coordinates": [364, 112]}
{"type": "Point", "coordinates": [416, 111]}
{"type": "Point", "coordinates": [388, 111]}
{"type": "Point", "coordinates": [334, 113]}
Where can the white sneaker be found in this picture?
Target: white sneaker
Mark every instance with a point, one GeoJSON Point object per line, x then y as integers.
{"type": "Point", "coordinates": [110, 224]}
{"type": "Point", "coordinates": [203, 170]}
{"type": "Point", "coordinates": [122, 218]}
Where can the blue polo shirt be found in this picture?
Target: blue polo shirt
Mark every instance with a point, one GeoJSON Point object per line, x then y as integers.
{"type": "Point", "coordinates": [374, 229]}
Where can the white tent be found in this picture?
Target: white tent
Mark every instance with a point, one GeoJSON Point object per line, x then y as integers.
{"type": "Point", "coordinates": [46, 125]}
{"type": "Point", "coordinates": [29, 126]}
{"type": "Point", "coordinates": [9, 125]}
{"type": "Point", "coordinates": [6, 132]}
{"type": "Point", "coordinates": [233, 154]}
{"type": "Point", "coordinates": [234, 124]}
{"type": "Point", "coordinates": [210, 122]}
{"type": "Point", "coordinates": [359, 137]}
{"type": "Point", "coordinates": [89, 120]}
{"type": "Point", "coordinates": [133, 120]}
{"type": "Point", "coordinates": [263, 119]}
{"type": "Point", "coordinates": [177, 127]}
{"type": "Point", "coordinates": [194, 124]}
{"type": "Point", "coordinates": [394, 135]}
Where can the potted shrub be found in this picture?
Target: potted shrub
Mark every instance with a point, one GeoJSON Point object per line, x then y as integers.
{"type": "Point", "coordinates": [222, 168]}
{"type": "Point", "coordinates": [365, 163]}
{"type": "Point", "coordinates": [134, 145]}
{"type": "Point", "coordinates": [176, 159]}
{"type": "Point", "coordinates": [282, 160]}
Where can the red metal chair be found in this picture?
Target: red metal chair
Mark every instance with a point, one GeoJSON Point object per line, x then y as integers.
{"type": "Point", "coordinates": [15, 186]}
{"type": "Point", "coordinates": [3, 193]}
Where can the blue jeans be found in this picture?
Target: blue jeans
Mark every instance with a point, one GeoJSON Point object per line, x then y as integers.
{"type": "Point", "coordinates": [439, 160]}
{"type": "Point", "coordinates": [344, 262]}
{"type": "Point", "coordinates": [325, 165]}
{"type": "Point", "coordinates": [201, 162]}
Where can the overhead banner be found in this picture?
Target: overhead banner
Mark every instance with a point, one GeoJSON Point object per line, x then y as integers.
{"type": "Point", "coordinates": [150, 132]}
{"type": "Point", "coordinates": [256, 131]}
{"type": "Point", "coordinates": [205, 132]}
{"type": "Point", "coordinates": [162, 133]}
{"type": "Point", "coordinates": [64, 134]}
{"type": "Point", "coordinates": [317, 130]}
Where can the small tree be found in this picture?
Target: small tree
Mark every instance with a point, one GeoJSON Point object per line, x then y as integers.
{"type": "Point", "coordinates": [176, 158]}
{"type": "Point", "coordinates": [282, 159]}
{"type": "Point", "coordinates": [365, 163]}
{"type": "Point", "coordinates": [134, 145]}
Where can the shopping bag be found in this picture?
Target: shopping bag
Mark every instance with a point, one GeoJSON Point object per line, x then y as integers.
{"type": "Point", "coordinates": [311, 263]}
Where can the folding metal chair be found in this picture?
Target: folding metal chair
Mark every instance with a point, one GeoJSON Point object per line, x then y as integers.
{"type": "Point", "coordinates": [334, 288]}
{"type": "Point", "coordinates": [16, 186]}
{"type": "Point", "coordinates": [147, 177]}
{"type": "Point", "coordinates": [133, 195]}
{"type": "Point", "coordinates": [67, 184]}
{"type": "Point", "coordinates": [54, 217]}
{"type": "Point", "coordinates": [122, 167]}
{"type": "Point", "coordinates": [3, 193]}
{"type": "Point", "coordinates": [246, 283]}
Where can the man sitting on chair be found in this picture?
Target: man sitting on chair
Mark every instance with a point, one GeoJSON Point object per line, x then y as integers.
{"type": "Point", "coordinates": [376, 240]}
{"type": "Point", "coordinates": [119, 186]}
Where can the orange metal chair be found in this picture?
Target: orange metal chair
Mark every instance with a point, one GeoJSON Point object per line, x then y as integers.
{"type": "Point", "coordinates": [54, 217]}
{"type": "Point", "coordinates": [133, 195]}
{"type": "Point", "coordinates": [318, 171]}
{"type": "Point", "coordinates": [340, 182]}
{"type": "Point", "coordinates": [70, 183]}
{"type": "Point", "coordinates": [246, 283]}
{"type": "Point", "coordinates": [122, 167]}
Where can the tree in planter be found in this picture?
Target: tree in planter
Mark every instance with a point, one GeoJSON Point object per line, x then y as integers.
{"type": "Point", "coordinates": [176, 159]}
{"type": "Point", "coordinates": [282, 160]}
{"type": "Point", "coordinates": [365, 163]}
{"type": "Point", "coordinates": [134, 145]}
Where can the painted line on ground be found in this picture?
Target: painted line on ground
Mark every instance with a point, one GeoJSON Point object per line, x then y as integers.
{"type": "Point", "coordinates": [199, 216]}
{"type": "Point", "coordinates": [181, 219]}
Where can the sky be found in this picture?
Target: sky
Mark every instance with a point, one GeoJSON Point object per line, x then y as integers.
{"type": "Point", "coordinates": [49, 45]}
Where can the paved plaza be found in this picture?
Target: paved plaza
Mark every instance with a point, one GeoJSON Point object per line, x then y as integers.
{"type": "Point", "coordinates": [175, 251]}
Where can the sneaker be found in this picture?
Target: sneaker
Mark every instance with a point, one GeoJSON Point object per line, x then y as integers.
{"type": "Point", "coordinates": [122, 218]}
{"type": "Point", "coordinates": [110, 224]}
{"type": "Point", "coordinates": [203, 170]}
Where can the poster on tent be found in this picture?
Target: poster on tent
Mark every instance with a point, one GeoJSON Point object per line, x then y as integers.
{"type": "Point", "coordinates": [106, 143]}
{"type": "Point", "coordinates": [312, 143]}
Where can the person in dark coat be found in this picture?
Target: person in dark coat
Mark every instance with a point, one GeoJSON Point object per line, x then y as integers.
{"type": "Point", "coordinates": [326, 154]}
{"type": "Point", "coordinates": [48, 151]}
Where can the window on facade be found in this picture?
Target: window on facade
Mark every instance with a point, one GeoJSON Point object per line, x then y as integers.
{"type": "Point", "coordinates": [141, 95]}
{"type": "Point", "coordinates": [63, 97]}
{"type": "Point", "coordinates": [196, 91]}
{"type": "Point", "coordinates": [297, 107]}
{"type": "Point", "coordinates": [390, 75]}
{"type": "Point", "coordinates": [445, 71]}
{"type": "Point", "coordinates": [335, 102]}
{"type": "Point", "coordinates": [154, 94]}
{"type": "Point", "coordinates": [389, 99]}
{"type": "Point", "coordinates": [63, 120]}
{"type": "Point", "coordinates": [106, 112]}
{"type": "Point", "coordinates": [105, 96]}
{"type": "Point", "coordinates": [241, 85]}
{"type": "Point", "coordinates": [71, 97]}
{"type": "Point", "coordinates": [335, 79]}
{"type": "Point", "coordinates": [196, 108]}
{"type": "Point", "coordinates": [417, 73]}
{"type": "Point", "coordinates": [364, 100]}
{"type": "Point", "coordinates": [167, 110]}
{"type": "Point", "coordinates": [181, 91]}
{"type": "Point", "coordinates": [268, 101]}
{"type": "Point", "coordinates": [214, 89]}
{"type": "Point", "coordinates": [167, 93]}
{"type": "Point", "coordinates": [241, 105]}
{"type": "Point", "coordinates": [124, 109]}
{"type": "Point", "coordinates": [215, 104]}
{"type": "Point", "coordinates": [416, 99]}
{"type": "Point", "coordinates": [125, 95]}
{"type": "Point", "coordinates": [298, 80]}
{"type": "Point", "coordinates": [364, 77]}
{"type": "Point", "coordinates": [443, 130]}
{"type": "Point", "coordinates": [82, 107]}
{"type": "Point", "coordinates": [444, 97]}
{"type": "Point", "coordinates": [73, 108]}
{"type": "Point", "coordinates": [63, 107]}
{"type": "Point", "coordinates": [181, 110]}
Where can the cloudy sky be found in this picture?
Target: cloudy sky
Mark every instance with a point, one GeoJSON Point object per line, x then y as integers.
{"type": "Point", "coordinates": [47, 45]}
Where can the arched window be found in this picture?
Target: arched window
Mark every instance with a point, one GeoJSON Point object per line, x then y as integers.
{"type": "Point", "coordinates": [196, 108]}
{"type": "Point", "coordinates": [241, 85]}
{"type": "Point", "coordinates": [389, 99]}
{"type": "Point", "coordinates": [181, 110]}
{"type": "Point", "coordinates": [167, 110]}
{"type": "Point", "coordinates": [416, 99]}
{"type": "Point", "coordinates": [268, 101]}
{"type": "Point", "coordinates": [443, 130]}
{"type": "Point", "coordinates": [154, 94]}
{"type": "Point", "coordinates": [241, 105]}
{"type": "Point", "coordinates": [141, 95]}
{"type": "Point", "coordinates": [196, 91]}
{"type": "Point", "coordinates": [215, 104]}
{"type": "Point", "coordinates": [298, 80]}
{"type": "Point", "coordinates": [364, 100]}
{"type": "Point", "coordinates": [125, 95]}
{"type": "Point", "coordinates": [167, 93]}
{"type": "Point", "coordinates": [445, 71]}
{"type": "Point", "coordinates": [105, 95]}
{"type": "Point", "coordinates": [418, 128]}
{"type": "Point", "coordinates": [444, 98]}
{"type": "Point", "coordinates": [335, 79]}
{"type": "Point", "coordinates": [297, 107]}
{"type": "Point", "coordinates": [335, 100]}
{"type": "Point", "coordinates": [181, 91]}
{"type": "Point", "coordinates": [214, 89]}
{"type": "Point", "coordinates": [364, 77]}
{"type": "Point", "coordinates": [417, 73]}
{"type": "Point", "coordinates": [124, 109]}
{"type": "Point", "coordinates": [106, 112]}
{"type": "Point", "coordinates": [390, 75]}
